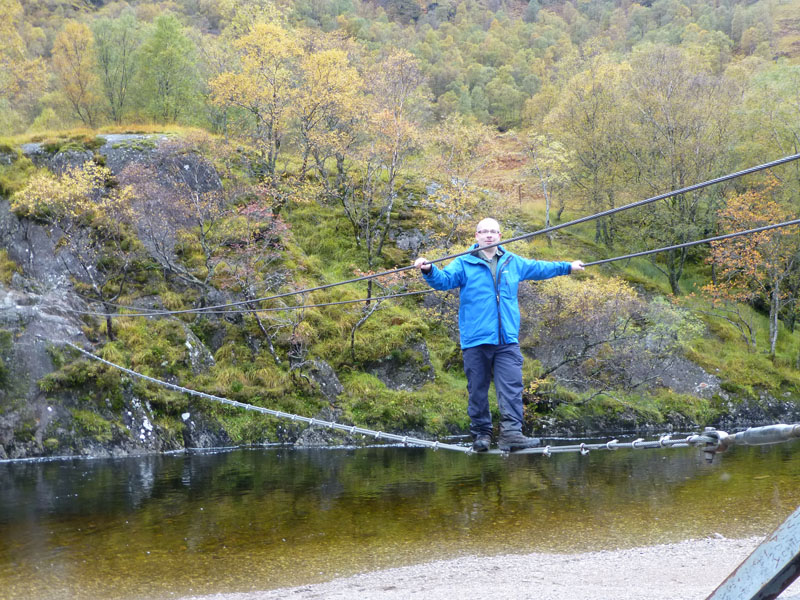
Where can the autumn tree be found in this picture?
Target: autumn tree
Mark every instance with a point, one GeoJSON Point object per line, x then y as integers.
{"type": "Point", "coordinates": [92, 224]}
{"type": "Point", "coordinates": [370, 186]}
{"type": "Point", "coordinates": [392, 135]}
{"type": "Point", "coordinates": [216, 56]}
{"type": "Point", "coordinates": [458, 148]}
{"type": "Point", "coordinates": [600, 335]}
{"type": "Point", "coordinates": [757, 267]}
{"type": "Point", "coordinates": [239, 17]}
{"type": "Point", "coordinates": [263, 86]}
{"type": "Point", "coordinates": [548, 160]}
{"type": "Point", "coordinates": [22, 78]}
{"type": "Point", "coordinates": [75, 64]}
{"type": "Point", "coordinates": [329, 98]}
{"type": "Point", "coordinates": [586, 123]}
{"type": "Point", "coordinates": [771, 120]}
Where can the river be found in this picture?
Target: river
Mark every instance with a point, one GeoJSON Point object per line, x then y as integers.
{"type": "Point", "coordinates": [255, 519]}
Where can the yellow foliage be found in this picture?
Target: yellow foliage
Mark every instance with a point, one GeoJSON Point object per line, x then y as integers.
{"type": "Point", "coordinates": [7, 267]}
{"type": "Point", "coordinates": [73, 196]}
{"type": "Point", "coordinates": [22, 80]}
{"type": "Point", "coordinates": [329, 92]}
{"type": "Point", "coordinates": [571, 296]}
{"type": "Point", "coordinates": [268, 53]}
{"type": "Point", "coordinates": [47, 194]}
{"type": "Point", "coordinates": [75, 64]}
{"type": "Point", "coordinates": [457, 151]}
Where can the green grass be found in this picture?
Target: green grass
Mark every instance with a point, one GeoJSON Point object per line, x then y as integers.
{"type": "Point", "coordinates": [90, 424]}
{"type": "Point", "coordinates": [432, 408]}
{"type": "Point", "coordinates": [743, 369]}
{"type": "Point", "coordinates": [15, 176]}
{"type": "Point", "coordinates": [139, 144]}
{"type": "Point", "coordinates": [7, 267]}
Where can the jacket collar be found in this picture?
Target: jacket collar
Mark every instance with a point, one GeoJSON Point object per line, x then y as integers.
{"type": "Point", "coordinates": [474, 258]}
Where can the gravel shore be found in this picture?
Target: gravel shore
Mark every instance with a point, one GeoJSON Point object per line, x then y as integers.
{"type": "Point", "coordinates": [687, 570]}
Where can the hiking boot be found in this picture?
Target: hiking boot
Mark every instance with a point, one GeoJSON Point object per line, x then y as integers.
{"type": "Point", "coordinates": [514, 440]}
{"type": "Point", "coordinates": [482, 443]}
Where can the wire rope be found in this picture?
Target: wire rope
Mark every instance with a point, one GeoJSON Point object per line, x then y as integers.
{"type": "Point", "coordinates": [662, 442]}
{"type": "Point", "coordinates": [712, 440]}
{"type": "Point", "coordinates": [204, 311]}
{"type": "Point", "coordinates": [717, 238]}
{"type": "Point", "coordinates": [403, 294]}
{"type": "Point", "coordinates": [586, 219]}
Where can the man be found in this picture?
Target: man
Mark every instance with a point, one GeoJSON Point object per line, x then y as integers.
{"type": "Point", "coordinates": [488, 322]}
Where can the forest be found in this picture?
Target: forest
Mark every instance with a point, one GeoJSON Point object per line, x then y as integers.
{"type": "Point", "coordinates": [348, 136]}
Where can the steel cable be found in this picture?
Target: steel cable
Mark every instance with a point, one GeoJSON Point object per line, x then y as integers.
{"type": "Point", "coordinates": [695, 242]}
{"type": "Point", "coordinates": [663, 442]}
{"type": "Point", "coordinates": [376, 298]}
{"type": "Point", "coordinates": [204, 311]}
{"type": "Point", "coordinates": [586, 219]}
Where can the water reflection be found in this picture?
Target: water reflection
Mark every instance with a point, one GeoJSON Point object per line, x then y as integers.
{"type": "Point", "coordinates": [163, 526]}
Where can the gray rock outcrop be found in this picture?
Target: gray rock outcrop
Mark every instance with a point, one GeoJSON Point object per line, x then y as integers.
{"type": "Point", "coordinates": [408, 368]}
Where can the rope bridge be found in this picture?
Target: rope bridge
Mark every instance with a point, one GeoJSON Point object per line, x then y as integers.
{"type": "Point", "coordinates": [711, 440]}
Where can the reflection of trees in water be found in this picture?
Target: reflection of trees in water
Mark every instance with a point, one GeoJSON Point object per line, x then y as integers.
{"type": "Point", "coordinates": [265, 496]}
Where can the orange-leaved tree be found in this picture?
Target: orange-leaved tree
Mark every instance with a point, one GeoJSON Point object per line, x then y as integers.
{"type": "Point", "coordinates": [757, 267]}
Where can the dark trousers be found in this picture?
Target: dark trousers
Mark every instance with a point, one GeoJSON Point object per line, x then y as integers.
{"type": "Point", "coordinates": [503, 363]}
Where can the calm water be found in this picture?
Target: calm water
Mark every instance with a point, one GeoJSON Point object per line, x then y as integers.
{"type": "Point", "coordinates": [167, 526]}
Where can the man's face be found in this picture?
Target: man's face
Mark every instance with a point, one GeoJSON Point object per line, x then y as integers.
{"type": "Point", "coordinates": [487, 233]}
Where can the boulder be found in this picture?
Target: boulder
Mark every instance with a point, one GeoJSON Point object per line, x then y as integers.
{"type": "Point", "coordinates": [407, 368]}
{"type": "Point", "coordinates": [200, 358]}
{"type": "Point", "coordinates": [32, 247]}
{"type": "Point", "coordinates": [200, 431]}
{"type": "Point", "coordinates": [34, 322]}
{"type": "Point", "coordinates": [325, 377]}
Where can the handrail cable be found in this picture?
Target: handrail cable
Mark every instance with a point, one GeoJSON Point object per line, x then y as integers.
{"type": "Point", "coordinates": [586, 219]}
{"type": "Point", "coordinates": [205, 311]}
{"type": "Point", "coordinates": [303, 306]}
{"type": "Point", "coordinates": [712, 440]}
{"type": "Point", "coordinates": [696, 242]}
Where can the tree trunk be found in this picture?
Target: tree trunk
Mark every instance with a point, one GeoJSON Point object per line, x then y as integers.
{"type": "Point", "coordinates": [774, 308]}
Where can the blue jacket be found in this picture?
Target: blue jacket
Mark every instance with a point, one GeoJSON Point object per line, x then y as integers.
{"type": "Point", "coordinates": [489, 314]}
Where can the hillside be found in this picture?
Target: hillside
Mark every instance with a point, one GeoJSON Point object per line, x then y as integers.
{"type": "Point", "coordinates": [177, 155]}
{"type": "Point", "coordinates": [401, 374]}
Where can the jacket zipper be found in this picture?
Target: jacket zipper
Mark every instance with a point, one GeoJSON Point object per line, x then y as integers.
{"type": "Point", "coordinates": [497, 297]}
